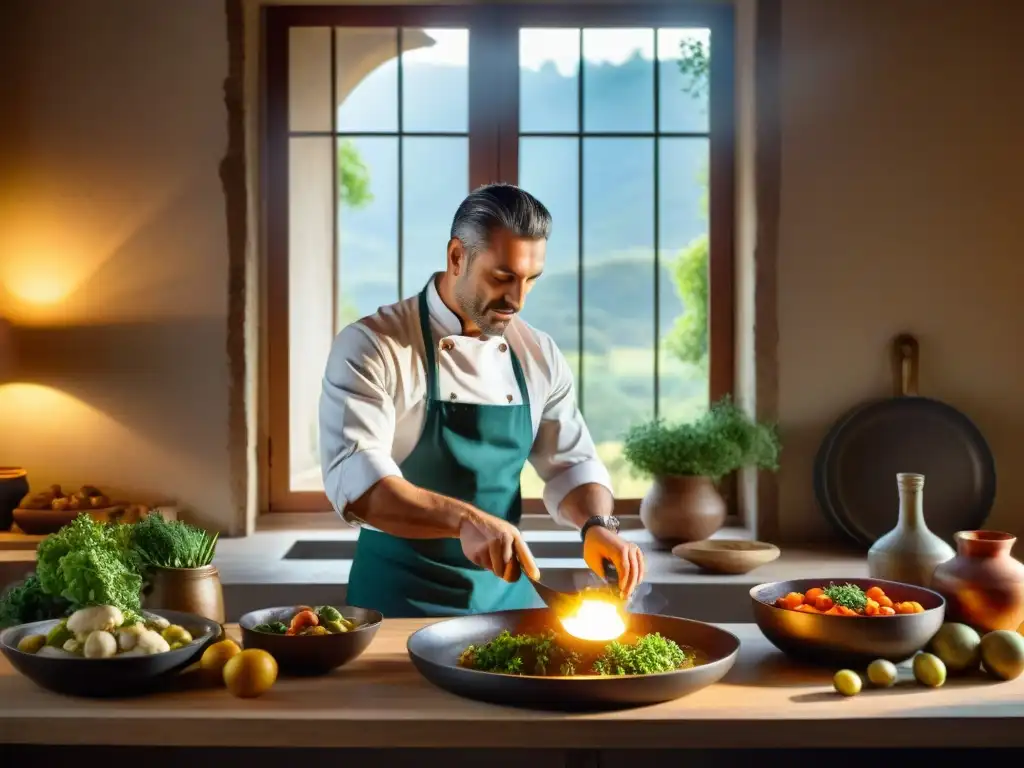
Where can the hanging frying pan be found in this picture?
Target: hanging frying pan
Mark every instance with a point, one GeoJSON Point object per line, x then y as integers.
{"type": "Point", "coordinates": [856, 466]}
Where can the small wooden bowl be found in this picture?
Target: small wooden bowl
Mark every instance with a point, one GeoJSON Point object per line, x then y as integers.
{"type": "Point", "coordinates": [733, 556]}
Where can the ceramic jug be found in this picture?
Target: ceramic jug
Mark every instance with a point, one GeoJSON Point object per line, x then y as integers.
{"type": "Point", "coordinates": [983, 585]}
{"type": "Point", "coordinates": [910, 552]}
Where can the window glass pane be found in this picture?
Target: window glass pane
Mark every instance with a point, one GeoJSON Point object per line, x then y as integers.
{"type": "Point", "coordinates": [549, 169]}
{"type": "Point", "coordinates": [618, 293]}
{"type": "Point", "coordinates": [435, 80]}
{"type": "Point", "coordinates": [367, 226]}
{"type": "Point", "coordinates": [683, 290]}
{"type": "Point", "coordinates": [435, 179]}
{"type": "Point", "coordinates": [366, 79]}
{"type": "Point", "coordinates": [618, 80]}
{"type": "Point", "coordinates": [549, 65]}
{"type": "Point", "coordinates": [310, 299]}
{"type": "Point", "coordinates": [309, 79]}
{"type": "Point", "coordinates": [683, 86]}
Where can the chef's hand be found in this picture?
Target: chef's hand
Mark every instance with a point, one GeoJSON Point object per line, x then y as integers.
{"type": "Point", "coordinates": [496, 545]}
{"type": "Point", "coordinates": [600, 544]}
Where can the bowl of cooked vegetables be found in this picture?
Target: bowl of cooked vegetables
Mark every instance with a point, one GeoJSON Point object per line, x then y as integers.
{"type": "Point", "coordinates": [308, 640]}
{"type": "Point", "coordinates": [847, 621]}
{"type": "Point", "coordinates": [102, 651]}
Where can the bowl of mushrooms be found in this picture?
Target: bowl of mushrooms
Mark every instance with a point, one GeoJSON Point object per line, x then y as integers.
{"type": "Point", "coordinates": [100, 651]}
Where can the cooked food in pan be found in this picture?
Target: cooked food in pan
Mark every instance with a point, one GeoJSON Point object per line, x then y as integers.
{"type": "Point", "coordinates": [549, 654]}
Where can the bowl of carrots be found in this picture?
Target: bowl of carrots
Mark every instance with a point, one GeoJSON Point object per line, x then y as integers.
{"type": "Point", "coordinates": [847, 621]}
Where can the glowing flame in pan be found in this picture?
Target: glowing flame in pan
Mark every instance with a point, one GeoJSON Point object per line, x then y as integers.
{"type": "Point", "coordinates": [595, 620]}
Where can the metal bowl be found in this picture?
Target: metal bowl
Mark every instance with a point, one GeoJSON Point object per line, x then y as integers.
{"type": "Point", "coordinates": [310, 654]}
{"type": "Point", "coordinates": [117, 676]}
{"type": "Point", "coordinates": [847, 640]}
{"type": "Point", "coordinates": [435, 650]}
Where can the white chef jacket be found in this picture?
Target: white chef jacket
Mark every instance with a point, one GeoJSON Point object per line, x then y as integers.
{"type": "Point", "coordinates": [372, 407]}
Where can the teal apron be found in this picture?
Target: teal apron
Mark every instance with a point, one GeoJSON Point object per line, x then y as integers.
{"type": "Point", "coordinates": [474, 453]}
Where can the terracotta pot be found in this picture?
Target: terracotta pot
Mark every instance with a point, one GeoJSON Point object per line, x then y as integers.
{"type": "Point", "coordinates": [983, 585]}
{"type": "Point", "coordinates": [681, 508]}
{"type": "Point", "coordinates": [13, 488]}
{"type": "Point", "coordinates": [191, 590]}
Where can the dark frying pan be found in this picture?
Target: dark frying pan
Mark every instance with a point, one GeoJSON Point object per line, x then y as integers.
{"type": "Point", "coordinates": [435, 650]}
{"type": "Point", "coordinates": [856, 466]}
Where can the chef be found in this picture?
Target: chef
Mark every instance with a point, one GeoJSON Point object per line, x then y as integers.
{"type": "Point", "coordinates": [429, 411]}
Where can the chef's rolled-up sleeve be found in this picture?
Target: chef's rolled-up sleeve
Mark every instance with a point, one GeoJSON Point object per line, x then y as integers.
{"type": "Point", "coordinates": [564, 454]}
{"type": "Point", "coordinates": [357, 419]}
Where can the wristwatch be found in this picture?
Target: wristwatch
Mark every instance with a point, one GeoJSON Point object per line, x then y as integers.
{"type": "Point", "coordinates": [604, 521]}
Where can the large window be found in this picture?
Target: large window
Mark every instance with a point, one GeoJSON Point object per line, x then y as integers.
{"type": "Point", "coordinates": [379, 120]}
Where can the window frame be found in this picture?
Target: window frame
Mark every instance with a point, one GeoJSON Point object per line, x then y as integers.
{"type": "Point", "coordinates": [493, 137]}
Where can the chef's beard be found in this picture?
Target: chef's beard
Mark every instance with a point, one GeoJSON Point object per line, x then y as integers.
{"type": "Point", "coordinates": [476, 308]}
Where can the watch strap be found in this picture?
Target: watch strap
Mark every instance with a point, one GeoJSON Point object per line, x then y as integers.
{"type": "Point", "coordinates": [609, 522]}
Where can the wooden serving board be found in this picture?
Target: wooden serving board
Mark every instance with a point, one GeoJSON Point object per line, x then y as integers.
{"type": "Point", "coordinates": [46, 521]}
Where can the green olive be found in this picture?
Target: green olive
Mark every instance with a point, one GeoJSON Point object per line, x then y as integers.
{"type": "Point", "coordinates": [31, 643]}
{"type": "Point", "coordinates": [59, 635]}
{"type": "Point", "coordinates": [882, 673]}
{"type": "Point", "coordinates": [177, 634]}
{"type": "Point", "coordinates": [847, 682]}
{"type": "Point", "coordinates": [335, 627]}
{"type": "Point", "coordinates": [929, 670]}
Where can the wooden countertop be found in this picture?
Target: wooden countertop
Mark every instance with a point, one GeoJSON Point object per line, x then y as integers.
{"type": "Point", "coordinates": [380, 700]}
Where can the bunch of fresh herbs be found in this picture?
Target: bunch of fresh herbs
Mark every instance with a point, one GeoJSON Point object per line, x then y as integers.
{"type": "Point", "coordinates": [27, 601]}
{"type": "Point", "coordinates": [716, 444]}
{"type": "Point", "coordinates": [84, 563]}
{"type": "Point", "coordinates": [162, 543]}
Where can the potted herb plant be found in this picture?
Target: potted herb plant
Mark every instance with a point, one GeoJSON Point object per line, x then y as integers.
{"type": "Point", "coordinates": [688, 460]}
{"type": "Point", "coordinates": [177, 559]}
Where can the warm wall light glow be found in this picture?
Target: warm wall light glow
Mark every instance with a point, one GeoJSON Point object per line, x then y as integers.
{"type": "Point", "coordinates": [35, 404]}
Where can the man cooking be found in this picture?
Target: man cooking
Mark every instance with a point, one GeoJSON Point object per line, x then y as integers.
{"type": "Point", "coordinates": [430, 409]}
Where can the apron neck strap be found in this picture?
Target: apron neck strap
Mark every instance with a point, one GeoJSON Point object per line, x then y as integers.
{"type": "Point", "coordinates": [433, 389]}
{"type": "Point", "coordinates": [433, 393]}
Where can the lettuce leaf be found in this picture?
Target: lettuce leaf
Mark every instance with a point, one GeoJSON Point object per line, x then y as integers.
{"type": "Point", "coordinates": [90, 563]}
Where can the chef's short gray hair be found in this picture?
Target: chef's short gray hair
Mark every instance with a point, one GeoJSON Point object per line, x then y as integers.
{"type": "Point", "coordinates": [499, 205]}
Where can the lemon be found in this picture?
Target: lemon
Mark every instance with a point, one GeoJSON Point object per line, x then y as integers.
{"type": "Point", "coordinates": [958, 646]}
{"type": "Point", "coordinates": [929, 670]}
{"type": "Point", "coordinates": [882, 673]}
{"type": "Point", "coordinates": [1002, 653]}
{"type": "Point", "coordinates": [216, 656]}
{"type": "Point", "coordinates": [250, 673]}
{"type": "Point", "coordinates": [847, 682]}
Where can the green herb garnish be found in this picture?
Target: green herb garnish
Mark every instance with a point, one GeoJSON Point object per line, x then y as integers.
{"type": "Point", "coordinates": [542, 655]}
{"type": "Point", "coordinates": [271, 628]}
{"type": "Point", "coordinates": [650, 654]}
{"type": "Point", "coordinates": [165, 543]}
{"type": "Point", "coordinates": [848, 595]}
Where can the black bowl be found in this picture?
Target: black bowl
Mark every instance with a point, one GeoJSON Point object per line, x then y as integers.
{"type": "Point", "coordinates": [115, 677]}
{"type": "Point", "coordinates": [310, 654]}
{"type": "Point", "coordinates": [435, 651]}
{"type": "Point", "coordinates": [847, 640]}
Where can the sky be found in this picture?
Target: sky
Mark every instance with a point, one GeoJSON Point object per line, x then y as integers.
{"type": "Point", "coordinates": [561, 46]}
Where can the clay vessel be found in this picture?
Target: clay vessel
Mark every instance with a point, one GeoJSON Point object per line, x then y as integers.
{"type": "Point", "coordinates": [13, 488]}
{"type": "Point", "coordinates": [190, 590]}
{"type": "Point", "coordinates": [680, 508]}
{"type": "Point", "coordinates": [983, 585]}
{"type": "Point", "coordinates": [910, 552]}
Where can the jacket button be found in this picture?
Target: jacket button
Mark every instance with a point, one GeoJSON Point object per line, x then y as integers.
{"type": "Point", "coordinates": [446, 345]}
{"type": "Point", "coordinates": [509, 398]}
{"type": "Point", "coordinates": [503, 347]}
{"type": "Point", "coordinates": [452, 397]}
